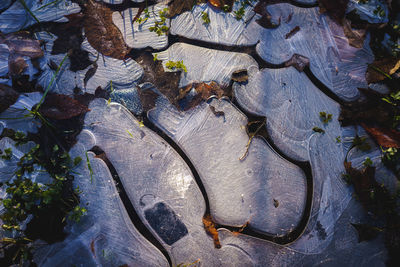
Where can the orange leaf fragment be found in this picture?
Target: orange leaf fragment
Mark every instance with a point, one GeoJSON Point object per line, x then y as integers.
{"type": "Point", "coordinates": [209, 225]}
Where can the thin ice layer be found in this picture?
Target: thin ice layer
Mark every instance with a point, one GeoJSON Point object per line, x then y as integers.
{"type": "Point", "coordinates": [333, 61]}
{"type": "Point", "coordinates": [291, 104]}
{"type": "Point", "coordinates": [158, 183]}
{"type": "Point", "coordinates": [17, 17]}
{"type": "Point", "coordinates": [138, 35]}
{"type": "Point", "coordinates": [123, 72]}
{"type": "Point", "coordinates": [204, 65]}
{"type": "Point", "coordinates": [262, 189]}
{"type": "Point", "coordinates": [65, 81]}
{"type": "Point", "coordinates": [106, 235]}
{"type": "Point", "coordinates": [109, 69]}
{"type": "Point", "coordinates": [17, 116]}
{"type": "Point", "coordinates": [373, 11]}
{"type": "Point", "coordinates": [343, 250]}
{"type": "Point", "coordinates": [223, 27]}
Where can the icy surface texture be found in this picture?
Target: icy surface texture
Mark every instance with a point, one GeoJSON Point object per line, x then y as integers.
{"type": "Point", "coordinates": [333, 61]}
{"type": "Point", "coordinates": [106, 235]}
{"type": "Point", "coordinates": [239, 191]}
{"type": "Point", "coordinates": [344, 250]}
{"type": "Point", "coordinates": [108, 69]}
{"type": "Point", "coordinates": [17, 17]}
{"type": "Point", "coordinates": [158, 183]}
{"type": "Point", "coordinates": [331, 195]}
{"type": "Point", "coordinates": [204, 65]}
{"type": "Point", "coordinates": [5, 4]}
{"type": "Point", "coordinates": [4, 54]}
{"type": "Point", "coordinates": [126, 95]}
{"type": "Point", "coordinates": [138, 35]}
{"type": "Point", "coordinates": [17, 117]}
{"type": "Point", "coordinates": [291, 104]}
{"type": "Point", "coordinates": [125, 72]}
{"type": "Point", "coordinates": [62, 83]}
{"type": "Point", "coordinates": [223, 28]}
{"type": "Point", "coordinates": [373, 11]}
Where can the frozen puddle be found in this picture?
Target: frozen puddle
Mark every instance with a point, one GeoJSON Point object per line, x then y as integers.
{"type": "Point", "coordinates": [262, 189]}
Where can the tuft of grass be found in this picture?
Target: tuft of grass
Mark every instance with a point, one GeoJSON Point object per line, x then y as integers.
{"type": "Point", "coordinates": [174, 65]}
{"type": "Point", "coordinates": [205, 18]}
{"type": "Point", "coordinates": [89, 167]}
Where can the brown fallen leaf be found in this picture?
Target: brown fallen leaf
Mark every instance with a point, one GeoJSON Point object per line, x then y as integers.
{"type": "Point", "coordinates": [61, 107]}
{"type": "Point", "coordinates": [335, 9]}
{"type": "Point", "coordinates": [20, 44]}
{"type": "Point", "coordinates": [7, 97]}
{"type": "Point", "coordinates": [365, 186]}
{"type": "Point", "coordinates": [221, 3]}
{"type": "Point", "coordinates": [370, 110]}
{"type": "Point", "coordinates": [384, 137]}
{"type": "Point", "coordinates": [355, 37]}
{"type": "Point", "coordinates": [209, 225]}
{"type": "Point", "coordinates": [388, 65]}
{"type": "Point", "coordinates": [69, 40]}
{"type": "Point", "coordinates": [89, 74]}
{"type": "Point", "coordinates": [265, 20]}
{"type": "Point", "coordinates": [292, 32]}
{"type": "Point", "coordinates": [203, 92]}
{"type": "Point", "coordinates": [298, 61]}
{"type": "Point", "coordinates": [166, 82]}
{"type": "Point", "coordinates": [176, 7]}
{"type": "Point", "coordinates": [102, 34]}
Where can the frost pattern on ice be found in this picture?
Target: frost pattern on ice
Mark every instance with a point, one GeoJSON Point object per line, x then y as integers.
{"type": "Point", "coordinates": [333, 61]}
{"type": "Point", "coordinates": [223, 28]}
{"type": "Point", "coordinates": [291, 104]}
{"type": "Point", "coordinates": [17, 17]}
{"type": "Point", "coordinates": [205, 65]}
{"type": "Point", "coordinates": [109, 69]}
{"type": "Point", "coordinates": [158, 183]}
{"type": "Point", "coordinates": [239, 191]}
{"type": "Point", "coordinates": [105, 236]}
{"type": "Point", "coordinates": [124, 73]}
{"type": "Point", "coordinates": [138, 35]}
{"type": "Point", "coordinates": [344, 250]}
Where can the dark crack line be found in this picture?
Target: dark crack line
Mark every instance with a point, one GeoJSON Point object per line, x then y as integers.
{"type": "Point", "coordinates": [133, 215]}
{"type": "Point", "coordinates": [283, 240]}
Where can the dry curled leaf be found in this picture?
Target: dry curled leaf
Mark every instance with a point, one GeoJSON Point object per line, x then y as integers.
{"type": "Point", "coordinates": [384, 137]}
{"type": "Point", "coordinates": [20, 45]}
{"type": "Point", "coordinates": [203, 92]}
{"type": "Point", "coordinates": [209, 225]}
{"type": "Point", "coordinates": [7, 97]}
{"type": "Point", "coordinates": [61, 107]}
{"type": "Point", "coordinates": [102, 33]}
